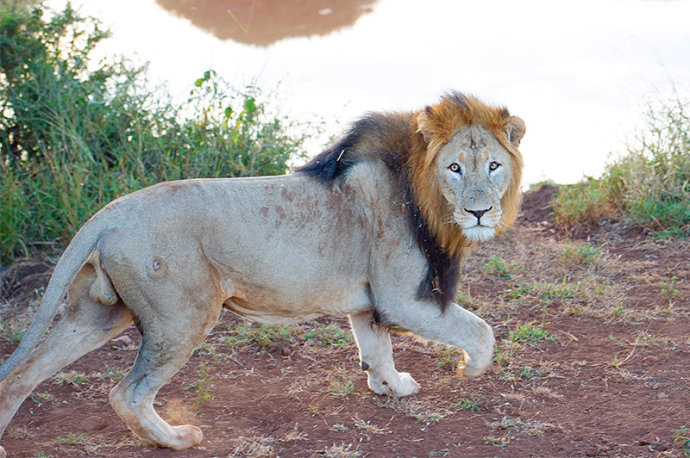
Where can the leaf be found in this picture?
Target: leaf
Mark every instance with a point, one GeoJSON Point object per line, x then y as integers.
{"type": "Point", "coordinates": [250, 105]}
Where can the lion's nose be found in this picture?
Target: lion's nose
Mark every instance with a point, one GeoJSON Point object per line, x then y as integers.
{"type": "Point", "coordinates": [478, 213]}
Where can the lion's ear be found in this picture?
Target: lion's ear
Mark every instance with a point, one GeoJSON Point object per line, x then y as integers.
{"type": "Point", "coordinates": [424, 124]}
{"type": "Point", "coordinates": [515, 128]}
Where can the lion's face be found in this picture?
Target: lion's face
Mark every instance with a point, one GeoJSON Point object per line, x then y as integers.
{"type": "Point", "coordinates": [466, 170]}
{"type": "Point", "coordinates": [474, 171]}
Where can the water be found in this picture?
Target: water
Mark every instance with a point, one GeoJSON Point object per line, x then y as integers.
{"type": "Point", "coordinates": [579, 73]}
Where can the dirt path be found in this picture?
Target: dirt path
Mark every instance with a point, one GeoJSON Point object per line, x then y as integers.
{"type": "Point", "coordinates": [592, 359]}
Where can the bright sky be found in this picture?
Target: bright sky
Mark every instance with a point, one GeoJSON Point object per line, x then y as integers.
{"type": "Point", "coordinates": [579, 73]}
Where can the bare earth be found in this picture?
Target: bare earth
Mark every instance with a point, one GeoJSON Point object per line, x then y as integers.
{"type": "Point", "coordinates": [592, 359]}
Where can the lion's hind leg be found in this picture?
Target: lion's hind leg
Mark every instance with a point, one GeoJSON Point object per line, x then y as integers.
{"type": "Point", "coordinates": [85, 326]}
{"type": "Point", "coordinates": [376, 358]}
{"type": "Point", "coordinates": [167, 343]}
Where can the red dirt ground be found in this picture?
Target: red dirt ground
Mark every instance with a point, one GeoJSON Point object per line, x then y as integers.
{"type": "Point", "coordinates": [612, 378]}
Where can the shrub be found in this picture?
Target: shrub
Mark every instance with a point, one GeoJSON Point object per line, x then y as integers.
{"type": "Point", "coordinates": [649, 187]}
{"type": "Point", "coordinates": [75, 134]}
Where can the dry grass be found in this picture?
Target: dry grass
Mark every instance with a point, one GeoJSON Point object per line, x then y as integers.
{"type": "Point", "coordinates": [574, 278]}
{"type": "Point", "coordinates": [254, 446]}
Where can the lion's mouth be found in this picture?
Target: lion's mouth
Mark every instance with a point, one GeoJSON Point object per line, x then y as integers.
{"type": "Point", "coordinates": [478, 232]}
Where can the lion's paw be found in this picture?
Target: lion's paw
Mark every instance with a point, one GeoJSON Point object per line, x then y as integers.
{"type": "Point", "coordinates": [407, 385]}
{"type": "Point", "coordinates": [468, 371]}
{"type": "Point", "coordinates": [187, 436]}
{"type": "Point", "coordinates": [396, 384]}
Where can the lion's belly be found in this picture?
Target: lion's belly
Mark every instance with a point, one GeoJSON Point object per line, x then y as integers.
{"type": "Point", "coordinates": [291, 280]}
{"type": "Point", "coordinates": [270, 306]}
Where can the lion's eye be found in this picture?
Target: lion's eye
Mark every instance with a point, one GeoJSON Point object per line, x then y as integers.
{"type": "Point", "coordinates": [493, 166]}
{"type": "Point", "coordinates": [454, 167]}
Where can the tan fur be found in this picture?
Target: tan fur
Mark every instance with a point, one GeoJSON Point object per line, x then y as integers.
{"type": "Point", "coordinates": [284, 249]}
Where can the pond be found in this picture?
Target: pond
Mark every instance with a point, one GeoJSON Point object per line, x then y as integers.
{"type": "Point", "coordinates": [579, 73]}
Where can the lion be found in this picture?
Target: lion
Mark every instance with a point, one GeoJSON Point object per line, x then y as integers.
{"type": "Point", "coordinates": [375, 227]}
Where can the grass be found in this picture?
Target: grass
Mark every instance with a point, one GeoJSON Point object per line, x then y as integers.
{"type": "Point", "coordinates": [12, 332]}
{"type": "Point", "coordinates": [584, 254]}
{"type": "Point", "coordinates": [265, 336]}
{"type": "Point", "coordinates": [681, 436]}
{"type": "Point", "coordinates": [202, 387]}
{"type": "Point", "coordinates": [497, 266]}
{"type": "Point", "coordinates": [73, 377]}
{"type": "Point", "coordinates": [669, 289]}
{"type": "Point", "coordinates": [328, 335]}
{"type": "Point", "coordinates": [530, 333]}
{"type": "Point", "coordinates": [342, 386]}
{"type": "Point", "coordinates": [76, 134]}
{"type": "Point", "coordinates": [648, 187]}
{"type": "Point", "coordinates": [497, 441]}
{"type": "Point", "coordinates": [72, 439]}
{"type": "Point", "coordinates": [340, 451]}
{"type": "Point", "coordinates": [247, 333]}
{"type": "Point", "coordinates": [447, 357]}
{"type": "Point", "coordinates": [115, 375]}
{"type": "Point", "coordinates": [40, 398]}
{"type": "Point", "coordinates": [469, 404]}
{"type": "Point", "coordinates": [367, 427]}
{"type": "Point", "coordinates": [256, 445]}
{"type": "Point", "coordinates": [505, 351]}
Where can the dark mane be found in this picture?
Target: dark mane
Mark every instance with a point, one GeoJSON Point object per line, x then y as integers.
{"type": "Point", "coordinates": [441, 281]}
{"type": "Point", "coordinates": [388, 138]}
{"type": "Point", "coordinates": [336, 160]}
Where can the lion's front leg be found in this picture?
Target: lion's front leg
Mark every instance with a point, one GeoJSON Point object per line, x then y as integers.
{"type": "Point", "coordinates": [454, 326]}
{"type": "Point", "coordinates": [376, 358]}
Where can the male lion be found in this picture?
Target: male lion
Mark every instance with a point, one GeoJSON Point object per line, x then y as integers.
{"type": "Point", "coordinates": [375, 228]}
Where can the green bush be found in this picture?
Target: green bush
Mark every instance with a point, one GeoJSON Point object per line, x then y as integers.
{"type": "Point", "coordinates": [75, 134]}
{"type": "Point", "coordinates": [649, 187]}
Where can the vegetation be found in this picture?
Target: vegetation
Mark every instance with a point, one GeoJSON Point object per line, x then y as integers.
{"type": "Point", "coordinates": [649, 187]}
{"type": "Point", "coordinates": [342, 386]}
{"type": "Point", "coordinates": [530, 333]}
{"type": "Point", "coordinates": [202, 387]}
{"type": "Point", "coordinates": [75, 134]}
{"type": "Point", "coordinates": [247, 333]}
{"type": "Point", "coordinates": [682, 436]}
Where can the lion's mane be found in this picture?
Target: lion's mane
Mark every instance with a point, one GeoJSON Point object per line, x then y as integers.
{"type": "Point", "coordinates": [408, 144]}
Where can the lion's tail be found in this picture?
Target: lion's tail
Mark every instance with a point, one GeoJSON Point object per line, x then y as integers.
{"type": "Point", "coordinates": [72, 261]}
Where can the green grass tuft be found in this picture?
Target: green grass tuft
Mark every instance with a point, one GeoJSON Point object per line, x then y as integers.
{"type": "Point", "coordinates": [530, 333]}
{"type": "Point", "coordinates": [649, 187]}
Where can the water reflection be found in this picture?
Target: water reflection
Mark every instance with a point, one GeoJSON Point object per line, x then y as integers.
{"type": "Point", "coordinates": [265, 22]}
